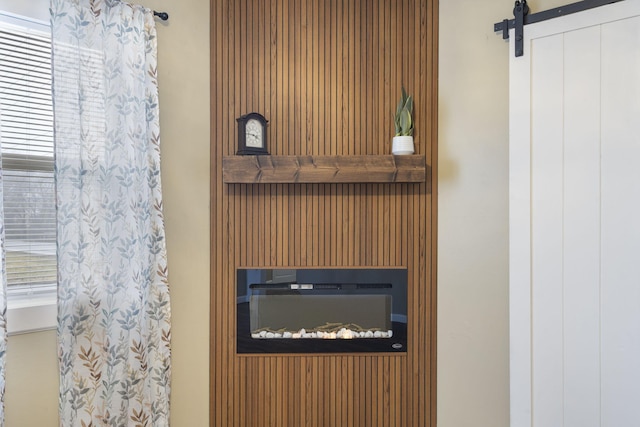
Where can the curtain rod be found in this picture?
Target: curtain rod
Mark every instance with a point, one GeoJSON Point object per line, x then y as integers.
{"type": "Point", "coordinates": [162, 15]}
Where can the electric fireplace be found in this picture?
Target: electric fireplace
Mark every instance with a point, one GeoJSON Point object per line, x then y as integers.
{"type": "Point", "coordinates": [321, 310]}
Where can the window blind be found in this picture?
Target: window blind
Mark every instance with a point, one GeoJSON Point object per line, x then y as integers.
{"type": "Point", "coordinates": [26, 142]}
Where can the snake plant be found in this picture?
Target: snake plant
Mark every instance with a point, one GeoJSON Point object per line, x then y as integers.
{"type": "Point", "coordinates": [403, 121]}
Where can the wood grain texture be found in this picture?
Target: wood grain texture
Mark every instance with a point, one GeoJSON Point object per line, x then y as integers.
{"type": "Point", "coordinates": [322, 169]}
{"type": "Point", "coordinates": [327, 75]}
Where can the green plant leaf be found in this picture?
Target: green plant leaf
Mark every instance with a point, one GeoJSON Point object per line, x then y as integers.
{"type": "Point", "coordinates": [400, 106]}
{"type": "Point", "coordinates": [408, 105]}
{"type": "Point", "coordinates": [406, 124]}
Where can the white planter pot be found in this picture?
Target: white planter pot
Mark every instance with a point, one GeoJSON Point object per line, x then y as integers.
{"type": "Point", "coordinates": [402, 145]}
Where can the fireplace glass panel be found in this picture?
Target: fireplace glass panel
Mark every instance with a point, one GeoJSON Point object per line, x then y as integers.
{"type": "Point", "coordinates": [320, 316]}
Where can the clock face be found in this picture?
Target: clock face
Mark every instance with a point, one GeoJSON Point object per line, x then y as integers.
{"type": "Point", "coordinates": [254, 134]}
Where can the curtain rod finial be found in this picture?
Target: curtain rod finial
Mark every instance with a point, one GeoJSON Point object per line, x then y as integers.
{"type": "Point", "coordinates": [162, 15]}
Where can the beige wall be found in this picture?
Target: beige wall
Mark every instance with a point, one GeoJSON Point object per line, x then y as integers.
{"type": "Point", "coordinates": [183, 64]}
{"type": "Point", "coordinates": [473, 334]}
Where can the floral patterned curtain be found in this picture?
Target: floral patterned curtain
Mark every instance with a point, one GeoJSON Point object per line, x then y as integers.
{"type": "Point", "coordinates": [3, 301]}
{"type": "Point", "coordinates": [113, 296]}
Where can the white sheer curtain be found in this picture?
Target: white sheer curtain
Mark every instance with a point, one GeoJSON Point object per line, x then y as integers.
{"type": "Point", "coordinates": [113, 296]}
{"type": "Point", "coordinates": [3, 299]}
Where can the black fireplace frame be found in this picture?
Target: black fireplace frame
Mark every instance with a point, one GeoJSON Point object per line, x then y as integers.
{"type": "Point", "coordinates": [392, 280]}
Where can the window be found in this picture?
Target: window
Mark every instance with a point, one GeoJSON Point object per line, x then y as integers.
{"type": "Point", "coordinates": [26, 138]}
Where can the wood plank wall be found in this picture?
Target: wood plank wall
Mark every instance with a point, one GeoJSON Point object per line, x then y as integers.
{"type": "Point", "coordinates": [327, 75]}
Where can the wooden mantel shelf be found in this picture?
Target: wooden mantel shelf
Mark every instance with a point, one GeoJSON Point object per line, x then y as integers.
{"type": "Point", "coordinates": [323, 169]}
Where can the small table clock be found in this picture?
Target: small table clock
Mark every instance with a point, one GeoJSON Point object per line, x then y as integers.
{"type": "Point", "coordinates": [252, 134]}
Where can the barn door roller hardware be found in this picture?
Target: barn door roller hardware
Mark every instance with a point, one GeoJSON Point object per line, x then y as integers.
{"type": "Point", "coordinates": [519, 11]}
{"type": "Point", "coordinates": [522, 18]}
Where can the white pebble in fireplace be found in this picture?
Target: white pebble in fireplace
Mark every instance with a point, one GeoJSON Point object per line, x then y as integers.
{"type": "Point", "coordinates": [343, 333]}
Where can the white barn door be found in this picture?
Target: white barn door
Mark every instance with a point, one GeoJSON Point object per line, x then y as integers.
{"type": "Point", "coordinates": [575, 221]}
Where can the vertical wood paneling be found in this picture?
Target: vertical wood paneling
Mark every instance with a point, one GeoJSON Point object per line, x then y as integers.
{"type": "Point", "coordinates": [327, 75]}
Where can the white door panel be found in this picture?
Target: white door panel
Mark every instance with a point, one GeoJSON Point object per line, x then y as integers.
{"type": "Point", "coordinates": [581, 229]}
{"type": "Point", "coordinates": [546, 229]}
{"type": "Point", "coordinates": [621, 223]}
{"type": "Point", "coordinates": [575, 221]}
